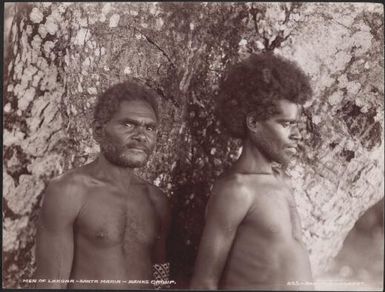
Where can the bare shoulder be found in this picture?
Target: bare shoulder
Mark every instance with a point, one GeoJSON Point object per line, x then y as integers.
{"type": "Point", "coordinates": [230, 201]}
{"type": "Point", "coordinates": [64, 194]}
{"type": "Point", "coordinates": [233, 189]}
{"type": "Point", "coordinates": [272, 186]}
{"type": "Point", "coordinates": [71, 183]}
{"type": "Point", "coordinates": [248, 187]}
{"type": "Point", "coordinates": [232, 185]}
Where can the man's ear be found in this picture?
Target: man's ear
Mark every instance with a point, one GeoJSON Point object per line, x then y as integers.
{"type": "Point", "coordinates": [97, 131]}
{"type": "Point", "coordinates": [252, 123]}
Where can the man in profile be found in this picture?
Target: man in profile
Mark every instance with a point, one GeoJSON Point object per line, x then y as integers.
{"type": "Point", "coordinates": [252, 236]}
{"type": "Point", "coordinates": [101, 226]}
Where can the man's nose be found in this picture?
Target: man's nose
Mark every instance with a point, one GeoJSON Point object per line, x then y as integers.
{"type": "Point", "coordinates": [295, 134]}
{"type": "Point", "coordinates": [139, 136]}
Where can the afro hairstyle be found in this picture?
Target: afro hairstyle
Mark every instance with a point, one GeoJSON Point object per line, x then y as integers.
{"type": "Point", "coordinates": [109, 101]}
{"type": "Point", "coordinates": [254, 85]}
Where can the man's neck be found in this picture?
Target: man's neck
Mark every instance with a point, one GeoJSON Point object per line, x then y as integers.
{"type": "Point", "coordinates": [252, 161]}
{"type": "Point", "coordinates": [105, 170]}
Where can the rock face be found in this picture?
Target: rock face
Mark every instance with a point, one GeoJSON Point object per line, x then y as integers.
{"type": "Point", "coordinates": [61, 55]}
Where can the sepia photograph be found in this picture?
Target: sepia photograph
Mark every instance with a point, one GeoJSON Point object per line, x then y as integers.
{"type": "Point", "coordinates": [193, 146]}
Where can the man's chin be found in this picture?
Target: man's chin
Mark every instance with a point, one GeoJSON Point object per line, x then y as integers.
{"type": "Point", "coordinates": [134, 163]}
{"type": "Point", "coordinates": [283, 161]}
{"type": "Point", "coordinates": [137, 164]}
{"type": "Point", "coordinates": [129, 163]}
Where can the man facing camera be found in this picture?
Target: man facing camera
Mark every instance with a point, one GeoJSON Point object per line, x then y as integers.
{"type": "Point", "coordinates": [252, 236]}
{"type": "Point", "coordinates": [101, 226]}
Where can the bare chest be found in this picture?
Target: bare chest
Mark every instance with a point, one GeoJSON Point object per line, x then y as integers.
{"type": "Point", "coordinates": [275, 216]}
{"type": "Point", "coordinates": [110, 218]}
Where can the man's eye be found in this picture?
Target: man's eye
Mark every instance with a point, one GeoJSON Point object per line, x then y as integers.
{"type": "Point", "coordinates": [151, 128]}
{"type": "Point", "coordinates": [285, 124]}
{"type": "Point", "coordinates": [129, 125]}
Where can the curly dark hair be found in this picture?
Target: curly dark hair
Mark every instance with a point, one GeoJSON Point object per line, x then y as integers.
{"type": "Point", "coordinates": [254, 85]}
{"type": "Point", "coordinates": [109, 101]}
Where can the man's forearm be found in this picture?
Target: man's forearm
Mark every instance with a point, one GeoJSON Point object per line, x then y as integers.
{"type": "Point", "coordinates": [49, 276]}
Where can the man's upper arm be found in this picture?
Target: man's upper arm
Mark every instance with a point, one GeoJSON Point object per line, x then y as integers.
{"type": "Point", "coordinates": [227, 207]}
{"type": "Point", "coordinates": [162, 207]}
{"type": "Point", "coordinates": [54, 243]}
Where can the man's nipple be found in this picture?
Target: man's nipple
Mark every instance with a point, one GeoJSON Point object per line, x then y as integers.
{"type": "Point", "coordinates": [100, 235]}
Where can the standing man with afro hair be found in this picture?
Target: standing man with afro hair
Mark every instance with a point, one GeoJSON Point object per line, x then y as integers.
{"type": "Point", "coordinates": [252, 236]}
{"type": "Point", "coordinates": [101, 226]}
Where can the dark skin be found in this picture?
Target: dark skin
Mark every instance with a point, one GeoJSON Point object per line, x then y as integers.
{"type": "Point", "coordinates": [101, 221]}
{"type": "Point", "coordinates": [252, 237]}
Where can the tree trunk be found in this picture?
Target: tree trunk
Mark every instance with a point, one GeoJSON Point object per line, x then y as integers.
{"type": "Point", "coordinates": [62, 55]}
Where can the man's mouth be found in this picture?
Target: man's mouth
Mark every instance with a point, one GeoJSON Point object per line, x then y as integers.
{"type": "Point", "coordinates": [138, 148]}
{"type": "Point", "coordinates": [292, 149]}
